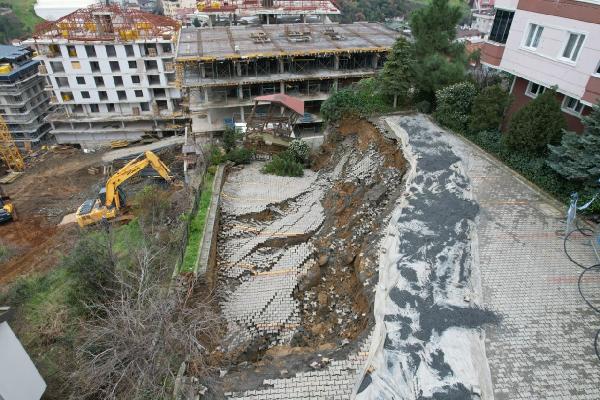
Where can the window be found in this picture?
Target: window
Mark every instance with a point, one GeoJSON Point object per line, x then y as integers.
{"type": "Point", "coordinates": [77, 108]}
{"type": "Point", "coordinates": [75, 65]}
{"type": "Point", "coordinates": [132, 64]}
{"type": "Point", "coordinates": [114, 66]}
{"type": "Point", "coordinates": [71, 51]}
{"type": "Point", "coordinates": [597, 69]}
{"type": "Point", "coordinates": [118, 80]}
{"type": "Point", "coordinates": [129, 50]}
{"type": "Point", "coordinates": [99, 81]}
{"type": "Point", "coordinates": [80, 80]}
{"type": "Point", "coordinates": [166, 47]}
{"type": "Point", "coordinates": [102, 95]}
{"type": "Point", "coordinates": [90, 51]}
{"type": "Point", "coordinates": [110, 51]}
{"type": "Point", "coordinates": [139, 93]}
{"type": "Point", "coordinates": [57, 66]}
{"type": "Point", "coordinates": [573, 46]}
{"type": "Point", "coordinates": [62, 82]}
{"type": "Point", "coordinates": [94, 108]}
{"type": "Point", "coordinates": [151, 65]}
{"type": "Point", "coordinates": [533, 89]}
{"type": "Point", "coordinates": [145, 106]}
{"type": "Point", "coordinates": [95, 66]}
{"type": "Point", "coordinates": [533, 37]}
{"type": "Point", "coordinates": [110, 107]}
{"type": "Point", "coordinates": [572, 106]}
{"type": "Point", "coordinates": [85, 94]}
{"type": "Point", "coordinates": [135, 79]}
{"type": "Point", "coordinates": [501, 26]}
{"type": "Point", "coordinates": [122, 95]}
{"type": "Point", "coordinates": [154, 79]}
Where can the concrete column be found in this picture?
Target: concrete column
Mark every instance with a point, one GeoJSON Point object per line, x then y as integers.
{"type": "Point", "coordinates": [205, 94]}
{"type": "Point", "coordinates": [335, 85]}
{"type": "Point", "coordinates": [281, 66]}
{"type": "Point", "coordinates": [238, 68]}
{"type": "Point", "coordinates": [240, 92]}
{"type": "Point", "coordinates": [336, 61]}
{"type": "Point", "coordinates": [209, 119]}
{"type": "Point", "coordinates": [374, 60]}
{"type": "Point", "coordinates": [242, 116]}
{"type": "Point", "coordinates": [210, 21]}
{"type": "Point", "coordinates": [268, 19]}
{"type": "Point", "coordinates": [282, 87]}
{"type": "Point", "coordinates": [202, 71]}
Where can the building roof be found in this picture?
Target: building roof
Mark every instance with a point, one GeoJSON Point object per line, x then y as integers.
{"type": "Point", "coordinates": [280, 40]}
{"type": "Point", "coordinates": [12, 53]}
{"type": "Point", "coordinates": [106, 23]}
{"type": "Point", "coordinates": [293, 103]}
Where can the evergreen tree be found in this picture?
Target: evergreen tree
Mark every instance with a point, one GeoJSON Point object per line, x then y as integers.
{"type": "Point", "coordinates": [488, 109]}
{"type": "Point", "coordinates": [440, 61]}
{"type": "Point", "coordinates": [578, 156]}
{"type": "Point", "coordinates": [397, 77]}
{"type": "Point", "coordinates": [536, 125]}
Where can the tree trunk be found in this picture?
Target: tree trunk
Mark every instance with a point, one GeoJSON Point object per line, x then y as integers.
{"type": "Point", "coordinates": [395, 100]}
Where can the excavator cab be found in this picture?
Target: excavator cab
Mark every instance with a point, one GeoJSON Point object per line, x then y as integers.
{"type": "Point", "coordinates": [120, 193]}
{"type": "Point", "coordinates": [7, 208]}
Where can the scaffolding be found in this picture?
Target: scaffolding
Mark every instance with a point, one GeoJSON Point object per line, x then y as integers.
{"type": "Point", "coordinates": [8, 149]}
{"type": "Point", "coordinates": [107, 23]}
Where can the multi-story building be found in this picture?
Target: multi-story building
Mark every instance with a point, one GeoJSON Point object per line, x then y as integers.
{"type": "Point", "coordinates": [221, 70]}
{"type": "Point", "coordinates": [111, 75]}
{"type": "Point", "coordinates": [23, 101]}
{"type": "Point", "coordinates": [548, 44]}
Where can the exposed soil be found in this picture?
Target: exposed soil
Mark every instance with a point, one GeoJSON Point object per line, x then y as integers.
{"type": "Point", "coordinates": [336, 296]}
{"type": "Point", "coordinates": [55, 185]}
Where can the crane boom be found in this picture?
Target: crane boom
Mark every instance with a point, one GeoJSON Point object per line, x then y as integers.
{"type": "Point", "coordinates": [130, 169]}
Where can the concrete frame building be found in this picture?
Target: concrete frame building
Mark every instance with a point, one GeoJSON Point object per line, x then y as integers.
{"type": "Point", "coordinates": [24, 103]}
{"type": "Point", "coordinates": [221, 70]}
{"type": "Point", "coordinates": [545, 44]}
{"type": "Point", "coordinates": [111, 74]}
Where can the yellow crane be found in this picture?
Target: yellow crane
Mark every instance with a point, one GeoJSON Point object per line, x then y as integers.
{"type": "Point", "coordinates": [111, 198]}
{"type": "Point", "coordinates": [8, 149]}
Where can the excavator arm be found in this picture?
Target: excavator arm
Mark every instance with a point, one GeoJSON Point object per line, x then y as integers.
{"type": "Point", "coordinates": [130, 169]}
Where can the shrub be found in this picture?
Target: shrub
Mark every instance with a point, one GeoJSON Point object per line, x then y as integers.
{"type": "Point", "coordinates": [362, 99]}
{"type": "Point", "coordinates": [240, 155]}
{"type": "Point", "coordinates": [536, 125]}
{"type": "Point", "coordinates": [215, 155]}
{"type": "Point", "coordinates": [488, 109]}
{"type": "Point", "coordinates": [228, 139]}
{"type": "Point", "coordinates": [454, 105]}
{"type": "Point", "coordinates": [300, 150]}
{"type": "Point", "coordinates": [284, 164]}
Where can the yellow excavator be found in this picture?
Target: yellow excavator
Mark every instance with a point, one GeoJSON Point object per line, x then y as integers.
{"type": "Point", "coordinates": [111, 198]}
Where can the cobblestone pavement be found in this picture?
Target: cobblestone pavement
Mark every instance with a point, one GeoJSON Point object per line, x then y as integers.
{"type": "Point", "coordinates": [543, 346]}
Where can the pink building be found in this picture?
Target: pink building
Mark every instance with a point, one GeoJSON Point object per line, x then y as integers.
{"type": "Point", "coordinates": [548, 43]}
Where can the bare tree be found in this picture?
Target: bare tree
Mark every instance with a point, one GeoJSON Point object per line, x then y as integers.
{"type": "Point", "coordinates": [137, 340]}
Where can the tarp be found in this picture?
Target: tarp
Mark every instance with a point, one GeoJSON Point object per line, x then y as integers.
{"type": "Point", "coordinates": [292, 103]}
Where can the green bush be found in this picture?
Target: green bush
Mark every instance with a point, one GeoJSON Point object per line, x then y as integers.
{"type": "Point", "coordinates": [229, 139]}
{"type": "Point", "coordinates": [536, 125]}
{"type": "Point", "coordinates": [362, 100]}
{"type": "Point", "coordinates": [300, 150]}
{"type": "Point", "coordinates": [454, 105]}
{"type": "Point", "coordinates": [215, 155]}
{"type": "Point", "coordinates": [284, 164]}
{"type": "Point", "coordinates": [488, 109]}
{"type": "Point", "coordinates": [240, 155]}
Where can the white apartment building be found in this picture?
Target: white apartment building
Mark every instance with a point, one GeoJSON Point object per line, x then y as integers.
{"type": "Point", "coordinates": [111, 74]}
{"type": "Point", "coordinates": [545, 44]}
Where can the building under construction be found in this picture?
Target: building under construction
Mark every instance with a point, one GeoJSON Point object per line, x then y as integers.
{"type": "Point", "coordinates": [111, 74]}
{"type": "Point", "coordinates": [23, 102]}
{"type": "Point", "coordinates": [221, 70]}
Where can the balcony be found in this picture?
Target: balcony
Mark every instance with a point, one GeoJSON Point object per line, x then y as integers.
{"type": "Point", "coordinates": [491, 53]}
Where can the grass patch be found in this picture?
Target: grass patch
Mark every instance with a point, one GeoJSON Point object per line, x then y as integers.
{"type": "Point", "coordinates": [197, 226]}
